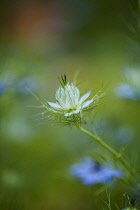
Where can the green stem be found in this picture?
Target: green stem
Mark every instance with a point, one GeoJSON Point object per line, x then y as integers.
{"type": "Point", "coordinates": [110, 149]}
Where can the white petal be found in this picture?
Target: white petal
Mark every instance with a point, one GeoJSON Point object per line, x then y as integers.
{"type": "Point", "coordinates": [55, 106]}
{"type": "Point", "coordinates": [87, 103]}
{"type": "Point", "coordinates": [72, 113]}
{"type": "Point", "coordinates": [85, 96]}
{"type": "Point", "coordinates": [68, 114]}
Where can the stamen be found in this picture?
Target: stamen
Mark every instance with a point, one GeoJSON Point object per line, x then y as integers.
{"type": "Point", "coordinates": [63, 80]}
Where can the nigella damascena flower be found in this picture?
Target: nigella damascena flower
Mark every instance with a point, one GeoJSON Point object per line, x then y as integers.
{"type": "Point", "coordinates": [68, 100]}
{"type": "Point", "coordinates": [126, 91]}
{"type": "Point", "coordinates": [130, 89]}
{"type": "Point", "coordinates": [91, 172]}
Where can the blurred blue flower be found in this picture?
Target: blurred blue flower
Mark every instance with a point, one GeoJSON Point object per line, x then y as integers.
{"type": "Point", "coordinates": [91, 172]}
{"type": "Point", "coordinates": [2, 87]}
{"type": "Point", "coordinates": [131, 88]}
{"type": "Point", "coordinates": [126, 91]}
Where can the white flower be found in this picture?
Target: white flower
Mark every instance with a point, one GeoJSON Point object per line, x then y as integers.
{"type": "Point", "coordinates": [68, 100]}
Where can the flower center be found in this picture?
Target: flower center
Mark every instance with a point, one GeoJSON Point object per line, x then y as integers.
{"type": "Point", "coordinates": [97, 166]}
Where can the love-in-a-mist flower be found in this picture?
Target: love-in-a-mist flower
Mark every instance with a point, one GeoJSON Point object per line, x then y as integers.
{"type": "Point", "coordinates": [130, 89]}
{"type": "Point", "coordinates": [91, 172]}
{"type": "Point", "coordinates": [68, 100]}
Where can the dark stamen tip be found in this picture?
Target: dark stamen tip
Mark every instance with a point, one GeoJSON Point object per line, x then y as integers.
{"type": "Point", "coordinates": [63, 80]}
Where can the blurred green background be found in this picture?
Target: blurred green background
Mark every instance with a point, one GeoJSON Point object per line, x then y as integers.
{"type": "Point", "coordinates": [39, 41]}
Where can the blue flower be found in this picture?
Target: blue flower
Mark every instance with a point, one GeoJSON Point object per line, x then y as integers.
{"type": "Point", "coordinates": [2, 87]}
{"type": "Point", "coordinates": [91, 172]}
{"type": "Point", "coordinates": [131, 88]}
{"type": "Point", "coordinates": [126, 91]}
